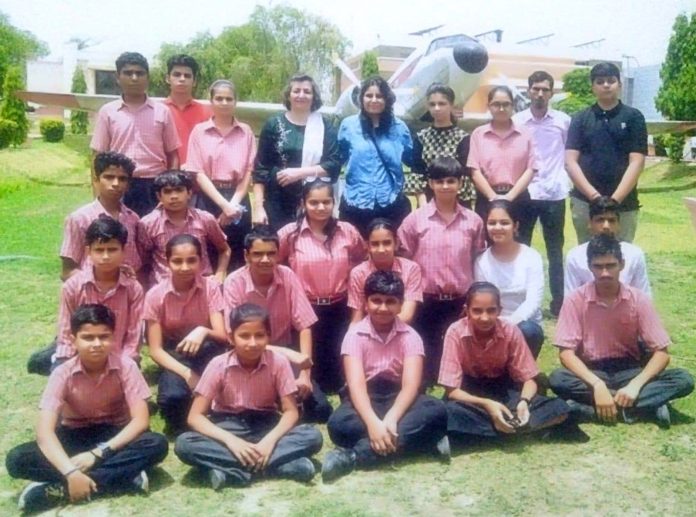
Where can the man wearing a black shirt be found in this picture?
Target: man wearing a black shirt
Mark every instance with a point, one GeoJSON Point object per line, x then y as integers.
{"type": "Point", "coordinates": [605, 153]}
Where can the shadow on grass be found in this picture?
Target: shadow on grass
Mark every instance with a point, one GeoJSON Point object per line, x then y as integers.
{"type": "Point", "coordinates": [679, 418]}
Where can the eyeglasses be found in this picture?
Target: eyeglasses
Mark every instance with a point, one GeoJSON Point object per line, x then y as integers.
{"type": "Point", "coordinates": [312, 179]}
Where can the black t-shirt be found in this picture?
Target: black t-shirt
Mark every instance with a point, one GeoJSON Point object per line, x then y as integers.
{"type": "Point", "coordinates": [605, 139]}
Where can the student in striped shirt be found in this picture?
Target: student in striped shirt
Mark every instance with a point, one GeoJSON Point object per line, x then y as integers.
{"type": "Point", "coordinates": [244, 415]}
{"type": "Point", "coordinates": [382, 411]}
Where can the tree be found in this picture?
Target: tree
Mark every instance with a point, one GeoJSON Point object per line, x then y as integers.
{"type": "Point", "coordinates": [79, 120]}
{"type": "Point", "coordinates": [676, 98]}
{"type": "Point", "coordinates": [578, 86]}
{"type": "Point", "coordinates": [369, 65]}
{"type": "Point", "coordinates": [260, 55]}
{"type": "Point", "coordinates": [17, 47]}
{"type": "Point", "coordinates": [12, 108]}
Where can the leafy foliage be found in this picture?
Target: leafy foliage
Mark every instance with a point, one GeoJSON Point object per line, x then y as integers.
{"type": "Point", "coordinates": [79, 120]}
{"type": "Point", "coordinates": [676, 98]}
{"type": "Point", "coordinates": [53, 130]}
{"type": "Point", "coordinates": [12, 108]}
{"type": "Point", "coordinates": [369, 65]}
{"type": "Point", "coordinates": [261, 55]}
{"type": "Point", "coordinates": [17, 46]}
{"type": "Point", "coordinates": [579, 88]}
{"type": "Point", "coordinates": [7, 130]}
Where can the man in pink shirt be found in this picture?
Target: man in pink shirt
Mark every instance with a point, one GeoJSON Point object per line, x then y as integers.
{"type": "Point", "coordinates": [140, 128]}
{"type": "Point", "coordinates": [182, 75]}
{"type": "Point", "coordinates": [102, 281]}
{"type": "Point", "coordinates": [277, 289]}
{"type": "Point", "coordinates": [92, 437]}
{"type": "Point", "coordinates": [597, 334]}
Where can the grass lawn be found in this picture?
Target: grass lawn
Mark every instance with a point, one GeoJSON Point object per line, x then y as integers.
{"type": "Point", "coordinates": [634, 470]}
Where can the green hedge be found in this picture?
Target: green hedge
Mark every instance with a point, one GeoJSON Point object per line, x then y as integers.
{"type": "Point", "coordinates": [52, 130]}
{"type": "Point", "coordinates": [7, 129]}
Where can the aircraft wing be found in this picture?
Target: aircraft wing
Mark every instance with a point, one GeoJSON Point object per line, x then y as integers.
{"type": "Point", "coordinates": [656, 127]}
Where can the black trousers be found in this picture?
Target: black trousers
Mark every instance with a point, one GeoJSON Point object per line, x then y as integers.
{"type": "Point", "coordinates": [173, 394]}
{"type": "Point", "coordinates": [316, 407]}
{"type": "Point", "coordinates": [421, 427]}
{"type": "Point", "coordinates": [235, 232]}
{"type": "Point", "coordinates": [140, 196]}
{"type": "Point", "coordinates": [40, 362]}
{"type": "Point", "coordinates": [26, 461]}
{"type": "Point", "coordinates": [533, 335]}
{"type": "Point", "coordinates": [551, 214]}
{"type": "Point", "coordinates": [468, 421]}
{"type": "Point", "coordinates": [432, 320]}
{"type": "Point", "coordinates": [361, 217]}
{"type": "Point", "coordinates": [327, 336]}
{"type": "Point", "coordinates": [669, 384]}
{"type": "Point", "coordinates": [198, 450]}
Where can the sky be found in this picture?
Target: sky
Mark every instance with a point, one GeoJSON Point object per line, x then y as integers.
{"type": "Point", "coordinates": [636, 28]}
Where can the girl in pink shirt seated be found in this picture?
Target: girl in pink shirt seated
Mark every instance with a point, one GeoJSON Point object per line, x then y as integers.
{"type": "Point", "coordinates": [382, 244]}
{"type": "Point", "coordinates": [238, 431]}
{"type": "Point", "coordinates": [322, 250]}
{"type": "Point", "coordinates": [185, 327]}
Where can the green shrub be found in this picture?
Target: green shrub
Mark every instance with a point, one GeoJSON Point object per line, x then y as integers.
{"type": "Point", "coordinates": [52, 130]}
{"type": "Point", "coordinates": [8, 128]}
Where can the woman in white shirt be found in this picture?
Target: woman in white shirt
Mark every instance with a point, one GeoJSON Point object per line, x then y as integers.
{"type": "Point", "coordinates": [516, 270]}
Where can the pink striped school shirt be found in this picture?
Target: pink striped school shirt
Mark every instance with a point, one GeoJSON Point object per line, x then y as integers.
{"type": "Point", "coordinates": [285, 301]}
{"type": "Point", "coordinates": [502, 159]}
{"type": "Point", "coordinates": [382, 358]}
{"type": "Point", "coordinates": [597, 331]}
{"type": "Point", "coordinates": [76, 225]}
{"type": "Point", "coordinates": [185, 119]}
{"type": "Point", "coordinates": [323, 272]}
{"type": "Point", "coordinates": [228, 157]}
{"type": "Point", "coordinates": [145, 134]}
{"type": "Point", "coordinates": [233, 389]}
{"type": "Point", "coordinates": [179, 313]}
{"type": "Point", "coordinates": [444, 251]}
{"type": "Point", "coordinates": [156, 229]}
{"type": "Point", "coordinates": [125, 300]}
{"type": "Point", "coordinates": [506, 353]}
{"type": "Point", "coordinates": [84, 401]}
{"type": "Point", "coordinates": [409, 271]}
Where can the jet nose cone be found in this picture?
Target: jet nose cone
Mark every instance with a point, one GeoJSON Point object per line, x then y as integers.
{"type": "Point", "coordinates": [471, 57]}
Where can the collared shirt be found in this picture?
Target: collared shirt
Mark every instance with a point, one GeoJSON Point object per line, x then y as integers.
{"type": "Point", "coordinates": [185, 119]}
{"type": "Point", "coordinates": [76, 225]}
{"type": "Point", "coordinates": [228, 157]}
{"type": "Point", "coordinates": [373, 177]}
{"type": "Point", "coordinates": [125, 300]}
{"type": "Point", "coordinates": [410, 274]}
{"type": "Point", "coordinates": [505, 353]}
{"type": "Point", "coordinates": [156, 229]}
{"type": "Point", "coordinates": [145, 134]}
{"type": "Point", "coordinates": [634, 273]}
{"type": "Point", "coordinates": [550, 132]}
{"type": "Point", "coordinates": [84, 401]}
{"type": "Point", "coordinates": [285, 301]}
{"type": "Point", "coordinates": [444, 251]}
{"type": "Point", "coordinates": [382, 358]}
{"type": "Point", "coordinates": [323, 272]}
{"type": "Point", "coordinates": [520, 281]}
{"type": "Point", "coordinates": [597, 331]}
{"type": "Point", "coordinates": [179, 313]}
{"type": "Point", "coordinates": [502, 159]}
{"type": "Point", "coordinates": [605, 139]}
{"type": "Point", "coordinates": [233, 389]}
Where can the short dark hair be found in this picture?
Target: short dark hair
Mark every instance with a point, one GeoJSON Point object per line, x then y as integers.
{"type": "Point", "coordinates": [539, 77]}
{"type": "Point", "coordinates": [604, 204]}
{"type": "Point", "coordinates": [605, 69]}
{"type": "Point", "coordinates": [172, 179]}
{"type": "Point", "coordinates": [103, 161]}
{"type": "Point", "coordinates": [481, 287]}
{"type": "Point", "coordinates": [603, 244]}
{"type": "Point", "coordinates": [131, 58]}
{"type": "Point", "coordinates": [248, 312]}
{"type": "Point", "coordinates": [178, 240]}
{"type": "Point", "coordinates": [381, 223]}
{"type": "Point", "coordinates": [382, 85]}
{"type": "Point", "coordinates": [261, 232]}
{"type": "Point", "coordinates": [506, 205]}
{"type": "Point", "coordinates": [387, 283]}
{"type": "Point", "coordinates": [501, 88]}
{"type": "Point", "coordinates": [91, 314]}
{"type": "Point", "coordinates": [300, 78]}
{"type": "Point", "coordinates": [442, 89]}
{"type": "Point", "coordinates": [105, 228]}
{"type": "Point", "coordinates": [183, 60]}
{"type": "Point", "coordinates": [445, 167]}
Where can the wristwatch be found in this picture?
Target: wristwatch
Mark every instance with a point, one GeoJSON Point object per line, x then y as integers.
{"type": "Point", "coordinates": [105, 451]}
{"type": "Point", "coordinates": [528, 401]}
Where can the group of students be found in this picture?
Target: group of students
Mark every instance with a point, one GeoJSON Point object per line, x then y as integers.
{"type": "Point", "coordinates": [376, 305]}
